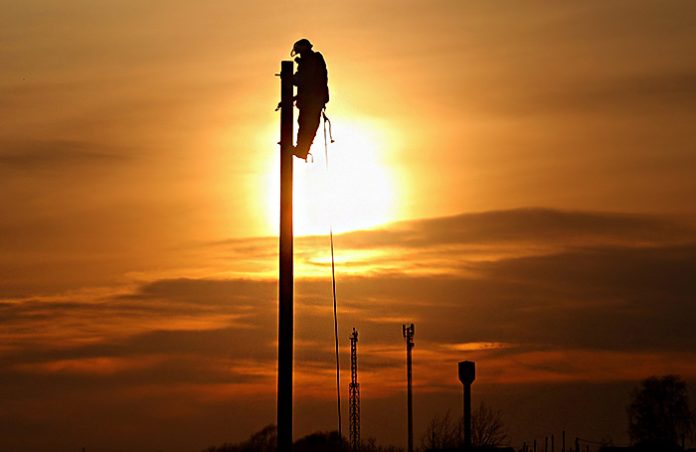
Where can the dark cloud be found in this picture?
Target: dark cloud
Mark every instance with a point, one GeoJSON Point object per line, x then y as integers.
{"type": "Point", "coordinates": [630, 299]}
{"type": "Point", "coordinates": [661, 90]}
{"type": "Point", "coordinates": [56, 155]}
{"type": "Point", "coordinates": [205, 291]}
{"type": "Point", "coordinates": [653, 94]}
{"type": "Point", "coordinates": [454, 243]}
{"type": "Point", "coordinates": [524, 225]}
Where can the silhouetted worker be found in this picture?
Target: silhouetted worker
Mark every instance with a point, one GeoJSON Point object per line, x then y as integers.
{"type": "Point", "coordinates": [311, 79]}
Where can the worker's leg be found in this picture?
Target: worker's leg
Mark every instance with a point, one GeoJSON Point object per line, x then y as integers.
{"type": "Point", "coordinates": [308, 121]}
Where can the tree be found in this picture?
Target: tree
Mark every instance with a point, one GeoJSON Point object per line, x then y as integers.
{"type": "Point", "coordinates": [262, 441]}
{"type": "Point", "coordinates": [370, 445]}
{"type": "Point", "coordinates": [447, 432]}
{"type": "Point", "coordinates": [265, 441]}
{"type": "Point", "coordinates": [320, 442]}
{"type": "Point", "coordinates": [443, 433]}
{"type": "Point", "coordinates": [487, 428]}
{"type": "Point", "coordinates": [659, 414]}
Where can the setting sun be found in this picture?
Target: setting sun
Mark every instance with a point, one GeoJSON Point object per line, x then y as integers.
{"type": "Point", "coordinates": [356, 192]}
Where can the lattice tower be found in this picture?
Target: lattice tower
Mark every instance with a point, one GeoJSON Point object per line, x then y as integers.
{"type": "Point", "coordinates": [354, 390]}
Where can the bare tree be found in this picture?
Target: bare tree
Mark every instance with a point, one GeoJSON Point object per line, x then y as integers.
{"type": "Point", "coordinates": [447, 432]}
{"type": "Point", "coordinates": [487, 428]}
{"type": "Point", "coordinates": [442, 433]}
{"type": "Point", "coordinates": [370, 445]}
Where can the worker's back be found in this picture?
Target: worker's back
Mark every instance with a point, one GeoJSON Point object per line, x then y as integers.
{"type": "Point", "coordinates": [311, 80]}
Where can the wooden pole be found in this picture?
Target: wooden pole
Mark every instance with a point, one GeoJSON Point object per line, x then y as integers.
{"type": "Point", "coordinates": [285, 277]}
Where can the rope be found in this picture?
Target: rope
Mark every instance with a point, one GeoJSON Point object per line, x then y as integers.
{"type": "Point", "coordinates": [333, 283]}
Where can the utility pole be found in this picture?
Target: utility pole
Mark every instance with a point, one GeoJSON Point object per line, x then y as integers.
{"type": "Point", "coordinates": [408, 335]}
{"type": "Point", "coordinates": [285, 277]}
{"type": "Point", "coordinates": [467, 375]}
{"type": "Point", "coordinates": [354, 392]}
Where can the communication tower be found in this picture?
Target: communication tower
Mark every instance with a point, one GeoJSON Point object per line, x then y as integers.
{"type": "Point", "coordinates": [354, 390]}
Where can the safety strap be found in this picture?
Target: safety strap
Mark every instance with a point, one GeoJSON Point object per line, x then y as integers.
{"type": "Point", "coordinates": [326, 119]}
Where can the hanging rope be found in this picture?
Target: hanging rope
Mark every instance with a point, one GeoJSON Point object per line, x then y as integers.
{"type": "Point", "coordinates": [333, 282]}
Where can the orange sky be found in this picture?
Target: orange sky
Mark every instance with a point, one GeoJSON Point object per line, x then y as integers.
{"type": "Point", "coordinates": [524, 174]}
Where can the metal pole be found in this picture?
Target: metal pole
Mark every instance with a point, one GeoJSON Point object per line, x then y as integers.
{"type": "Point", "coordinates": [285, 277]}
{"type": "Point", "coordinates": [467, 416]}
{"type": "Point", "coordinates": [408, 334]}
{"type": "Point", "coordinates": [410, 396]}
{"type": "Point", "coordinates": [354, 392]}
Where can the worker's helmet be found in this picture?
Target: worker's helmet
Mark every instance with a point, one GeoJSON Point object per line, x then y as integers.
{"type": "Point", "coordinates": [299, 46]}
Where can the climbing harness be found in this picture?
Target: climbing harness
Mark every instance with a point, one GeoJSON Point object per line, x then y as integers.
{"type": "Point", "coordinates": [333, 277]}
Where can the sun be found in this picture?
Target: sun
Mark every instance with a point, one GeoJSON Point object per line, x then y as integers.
{"type": "Point", "coordinates": [356, 191]}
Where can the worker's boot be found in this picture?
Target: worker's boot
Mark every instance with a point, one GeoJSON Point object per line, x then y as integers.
{"type": "Point", "coordinates": [300, 152]}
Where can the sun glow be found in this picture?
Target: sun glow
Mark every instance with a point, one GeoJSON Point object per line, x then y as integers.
{"type": "Point", "coordinates": [356, 192]}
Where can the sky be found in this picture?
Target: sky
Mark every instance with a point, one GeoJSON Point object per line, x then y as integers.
{"type": "Point", "coordinates": [517, 179]}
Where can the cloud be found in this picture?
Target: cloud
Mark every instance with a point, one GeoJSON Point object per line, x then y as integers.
{"type": "Point", "coordinates": [588, 297]}
{"type": "Point", "coordinates": [453, 245]}
{"type": "Point", "coordinates": [630, 299]}
{"type": "Point", "coordinates": [663, 90]}
{"type": "Point", "coordinates": [625, 278]}
{"type": "Point", "coordinates": [652, 93]}
{"type": "Point", "coordinates": [199, 291]}
{"type": "Point", "coordinates": [525, 225]}
{"type": "Point", "coordinates": [56, 155]}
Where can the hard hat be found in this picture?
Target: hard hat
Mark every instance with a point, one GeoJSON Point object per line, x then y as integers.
{"type": "Point", "coordinates": [299, 45]}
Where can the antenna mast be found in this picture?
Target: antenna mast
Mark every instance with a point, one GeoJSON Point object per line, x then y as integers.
{"type": "Point", "coordinates": [354, 391]}
{"type": "Point", "coordinates": [409, 331]}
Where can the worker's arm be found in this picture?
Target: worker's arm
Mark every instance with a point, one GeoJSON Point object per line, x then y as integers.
{"type": "Point", "coordinates": [297, 76]}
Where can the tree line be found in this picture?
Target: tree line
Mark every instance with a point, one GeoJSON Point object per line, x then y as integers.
{"type": "Point", "coordinates": [659, 414]}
